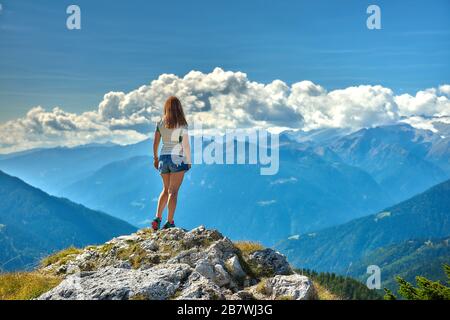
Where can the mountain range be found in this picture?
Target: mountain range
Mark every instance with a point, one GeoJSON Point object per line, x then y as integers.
{"type": "Point", "coordinates": [403, 160]}
{"type": "Point", "coordinates": [51, 169]}
{"type": "Point", "coordinates": [237, 199]}
{"type": "Point", "coordinates": [318, 209]}
{"type": "Point", "coordinates": [34, 224]}
{"type": "Point", "coordinates": [407, 259]}
{"type": "Point", "coordinates": [405, 238]}
{"type": "Point", "coordinates": [327, 177]}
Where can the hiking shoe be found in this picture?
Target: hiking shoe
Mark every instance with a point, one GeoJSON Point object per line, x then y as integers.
{"type": "Point", "coordinates": [168, 225]}
{"type": "Point", "coordinates": [156, 223]}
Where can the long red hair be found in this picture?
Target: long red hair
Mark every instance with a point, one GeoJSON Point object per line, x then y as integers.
{"type": "Point", "coordinates": [173, 113]}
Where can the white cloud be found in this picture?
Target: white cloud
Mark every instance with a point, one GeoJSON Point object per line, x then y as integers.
{"type": "Point", "coordinates": [219, 100]}
{"type": "Point", "coordinates": [425, 103]}
{"type": "Point", "coordinates": [445, 89]}
{"type": "Point", "coordinates": [41, 128]}
{"type": "Point", "coordinates": [266, 203]}
{"type": "Point", "coordinates": [284, 181]}
{"type": "Point", "coordinates": [353, 107]}
{"type": "Point", "coordinates": [427, 123]}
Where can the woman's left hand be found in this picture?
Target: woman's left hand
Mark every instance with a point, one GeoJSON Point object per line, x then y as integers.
{"type": "Point", "coordinates": [156, 163]}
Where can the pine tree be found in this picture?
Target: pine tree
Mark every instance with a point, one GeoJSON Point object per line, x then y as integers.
{"type": "Point", "coordinates": [425, 290]}
{"type": "Point", "coordinates": [389, 295]}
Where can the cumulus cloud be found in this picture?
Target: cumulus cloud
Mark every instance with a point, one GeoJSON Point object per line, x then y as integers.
{"type": "Point", "coordinates": [353, 107]}
{"type": "Point", "coordinates": [445, 89]}
{"type": "Point", "coordinates": [221, 100]}
{"type": "Point", "coordinates": [425, 103]}
{"type": "Point", "coordinates": [41, 128]}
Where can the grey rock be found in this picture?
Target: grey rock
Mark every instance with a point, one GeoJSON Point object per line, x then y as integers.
{"type": "Point", "coordinates": [235, 267]}
{"type": "Point", "coordinates": [149, 245]}
{"type": "Point", "coordinates": [191, 257]}
{"type": "Point", "coordinates": [271, 261]}
{"type": "Point", "coordinates": [132, 238]}
{"type": "Point", "coordinates": [222, 249]}
{"type": "Point", "coordinates": [213, 272]}
{"type": "Point", "coordinates": [221, 276]}
{"type": "Point", "coordinates": [205, 268]}
{"type": "Point", "coordinates": [200, 288]}
{"type": "Point", "coordinates": [174, 234]}
{"type": "Point", "coordinates": [119, 284]}
{"type": "Point", "coordinates": [242, 295]}
{"type": "Point", "coordinates": [295, 286]}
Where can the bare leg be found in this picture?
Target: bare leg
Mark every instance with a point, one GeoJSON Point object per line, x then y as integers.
{"type": "Point", "coordinates": [174, 185]}
{"type": "Point", "coordinates": [163, 197]}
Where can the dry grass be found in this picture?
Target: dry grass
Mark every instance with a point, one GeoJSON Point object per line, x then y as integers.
{"type": "Point", "coordinates": [323, 293]}
{"type": "Point", "coordinates": [248, 247]}
{"type": "Point", "coordinates": [25, 285]}
{"type": "Point", "coordinates": [106, 248]}
{"type": "Point", "coordinates": [61, 257]}
{"type": "Point", "coordinates": [134, 254]}
{"type": "Point", "coordinates": [139, 297]}
{"type": "Point", "coordinates": [284, 298]}
{"type": "Point", "coordinates": [146, 232]}
{"type": "Point", "coordinates": [245, 248]}
{"type": "Point", "coordinates": [261, 287]}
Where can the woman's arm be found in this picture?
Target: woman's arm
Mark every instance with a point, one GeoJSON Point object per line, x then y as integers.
{"type": "Point", "coordinates": [156, 141]}
{"type": "Point", "coordinates": [187, 148]}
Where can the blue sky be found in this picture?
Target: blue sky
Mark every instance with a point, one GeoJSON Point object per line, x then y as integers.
{"type": "Point", "coordinates": [123, 45]}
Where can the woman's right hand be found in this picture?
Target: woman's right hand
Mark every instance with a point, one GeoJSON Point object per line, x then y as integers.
{"type": "Point", "coordinates": [156, 163]}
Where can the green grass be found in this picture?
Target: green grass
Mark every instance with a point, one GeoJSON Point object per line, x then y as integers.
{"type": "Point", "coordinates": [25, 285]}
{"type": "Point", "coordinates": [61, 257]}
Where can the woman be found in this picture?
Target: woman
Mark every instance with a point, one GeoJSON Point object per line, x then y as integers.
{"type": "Point", "coordinates": [174, 159]}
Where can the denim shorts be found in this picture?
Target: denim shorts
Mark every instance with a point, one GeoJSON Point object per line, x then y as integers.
{"type": "Point", "coordinates": [171, 163]}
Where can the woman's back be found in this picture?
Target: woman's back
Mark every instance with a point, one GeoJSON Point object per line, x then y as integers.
{"type": "Point", "coordinates": [174, 159]}
{"type": "Point", "coordinates": [171, 138]}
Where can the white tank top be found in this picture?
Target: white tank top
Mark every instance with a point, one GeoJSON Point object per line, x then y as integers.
{"type": "Point", "coordinates": [171, 138]}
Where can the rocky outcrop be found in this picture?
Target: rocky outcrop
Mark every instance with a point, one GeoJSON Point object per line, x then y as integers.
{"type": "Point", "coordinates": [295, 287]}
{"type": "Point", "coordinates": [270, 262]}
{"type": "Point", "coordinates": [176, 264]}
